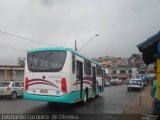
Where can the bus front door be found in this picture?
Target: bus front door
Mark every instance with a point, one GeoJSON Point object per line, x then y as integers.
{"type": "Point", "coordinates": [79, 76]}
{"type": "Point", "coordinates": [94, 80]}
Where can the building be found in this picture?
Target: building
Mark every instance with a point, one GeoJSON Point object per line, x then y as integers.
{"type": "Point", "coordinates": [11, 72]}
{"type": "Point", "coordinates": [122, 68]}
{"type": "Point", "coordinates": [124, 72]}
{"type": "Point", "coordinates": [120, 62]}
{"type": "Point", "coordinates": [108, 65]}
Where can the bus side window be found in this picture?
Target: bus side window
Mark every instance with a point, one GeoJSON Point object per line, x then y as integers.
{"type": "Point", "coordinates": [73, 63]}
{"type": "Point", "coordinates": [87, 67]}
{"type": "Point", "coordinates": [77, 71]}
{"type": "Point", "coordinates": [99, 71]}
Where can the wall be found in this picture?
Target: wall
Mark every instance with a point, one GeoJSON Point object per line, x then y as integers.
{"type": "Point", "coordinates": [19, 75]}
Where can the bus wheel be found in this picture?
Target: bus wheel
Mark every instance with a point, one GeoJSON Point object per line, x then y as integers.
{"type": "Point", "coordinates": [85, 97]}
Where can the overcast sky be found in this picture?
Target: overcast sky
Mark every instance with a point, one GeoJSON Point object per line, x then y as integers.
{"type": "Point", "coordinates": [121, 25]}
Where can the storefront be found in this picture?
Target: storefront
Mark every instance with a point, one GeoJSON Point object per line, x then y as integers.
{"type": "Point", "coordinates": [10, 72]}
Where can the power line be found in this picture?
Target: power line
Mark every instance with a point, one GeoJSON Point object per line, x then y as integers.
{"type": "Point", "coordinates": [84, 53]}
{"type": "Point", "coordinates": [4, 46]}
{"type": "Point", "coordinates": [25, 38]}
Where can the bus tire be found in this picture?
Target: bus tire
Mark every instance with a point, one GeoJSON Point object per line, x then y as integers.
{"type": "Point", "coordinates": [85, 97]}
{"type": "Point", "coordinates": [14, 95]}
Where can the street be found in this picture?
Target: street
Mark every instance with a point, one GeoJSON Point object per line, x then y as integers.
{"type": "Point", "coordinates": [113, 101]}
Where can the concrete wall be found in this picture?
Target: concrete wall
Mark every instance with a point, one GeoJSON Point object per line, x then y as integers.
{"type": "Point", "coordinates": [20, 75]}
{"type": "Point", "coordinates": [1, 75]}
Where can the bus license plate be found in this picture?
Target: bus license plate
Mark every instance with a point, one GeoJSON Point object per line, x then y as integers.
{"type": "Point", "coordinates": [44, 91]}
{"type": "Point", "coordinates": [57, 92]}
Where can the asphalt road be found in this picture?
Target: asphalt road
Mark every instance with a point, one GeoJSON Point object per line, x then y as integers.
{"type": "Point", "coordinates": [113, 101]}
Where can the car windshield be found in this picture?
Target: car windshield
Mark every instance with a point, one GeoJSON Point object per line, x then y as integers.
{"type": "Point", "coordinates": [4, 84]}
{"type": "Point", "coordinates": [46, 61]}
{"type": "Point", "coordinates": [137, 82]}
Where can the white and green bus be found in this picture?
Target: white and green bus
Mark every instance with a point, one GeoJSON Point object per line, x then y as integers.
{"type": "Point", "coordinates": [61, 75]}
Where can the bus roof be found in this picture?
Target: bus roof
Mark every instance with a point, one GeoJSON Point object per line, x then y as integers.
{"type": "Point", "coordinates": [63, 49]}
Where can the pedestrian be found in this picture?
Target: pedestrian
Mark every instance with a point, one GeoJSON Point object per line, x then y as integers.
{"type": "Point", "coordinates": [154, 94]}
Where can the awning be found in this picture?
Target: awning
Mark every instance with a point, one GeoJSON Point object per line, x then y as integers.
{"type": "Point", "coordinates": [149, 48]}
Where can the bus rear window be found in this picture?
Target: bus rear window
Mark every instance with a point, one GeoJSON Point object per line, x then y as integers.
{"type": "Point", "coordinates": [46, 61]}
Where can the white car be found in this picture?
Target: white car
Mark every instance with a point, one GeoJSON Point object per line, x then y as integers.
{"type": "Point", "coordinates": [106, 83]}
{"type": "Point", "coordinates": [135, 84]}
{"type": "Point", "coordinates": [119, 82]}
{"type": "Point", "coordinates": [11, 88]}
{"type": "Point", "coordinates": [113, 81]}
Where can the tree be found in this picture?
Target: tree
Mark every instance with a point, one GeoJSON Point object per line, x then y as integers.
{"type": "Point", "coordinates": [21, 61]}
{"type": "Point", "coordinates": [135, 56]}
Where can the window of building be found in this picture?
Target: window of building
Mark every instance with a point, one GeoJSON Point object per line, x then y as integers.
{"type": "Point", "coordinates": [114, 72]}
{"type": "Point", "coordinates": [87, 67]}
{"type": "Point", "coordinates": [130, 71]}
{"type": "Point", "coordinates": [122, 71]}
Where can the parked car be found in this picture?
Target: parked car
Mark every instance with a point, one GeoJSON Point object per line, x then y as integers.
{"type": "Point", "coordinates": [11, 88]}
{"type": "Point", "coordinates": [135, 84]}
{"type": "Point", "coordinates": [113, 82]}
{"type": "Point", "coordinates": [106, 83]}
{"type": "Point", "coordinates": [119, 82]}
{"type": "Point", "coordinates": [116, 81]}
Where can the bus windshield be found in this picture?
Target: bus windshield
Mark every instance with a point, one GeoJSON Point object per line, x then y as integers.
{"type": "Point", "coordinates": [46, 61]}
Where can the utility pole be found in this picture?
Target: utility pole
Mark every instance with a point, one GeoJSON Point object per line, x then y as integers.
{"type": "Point", "coordinates": [75, 45]}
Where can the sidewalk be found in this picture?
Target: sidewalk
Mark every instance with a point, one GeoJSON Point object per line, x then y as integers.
{"type": "Point", "coordinates": [136, 109]}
